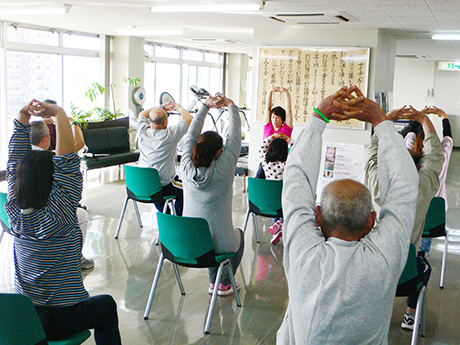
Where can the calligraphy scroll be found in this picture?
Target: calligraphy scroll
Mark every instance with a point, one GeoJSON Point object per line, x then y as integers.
{"type": "Point", "coordinates": [310, 74]}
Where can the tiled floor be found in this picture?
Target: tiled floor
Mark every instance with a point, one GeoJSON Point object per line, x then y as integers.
{"type": "Point", "coordinates": [125, 268]}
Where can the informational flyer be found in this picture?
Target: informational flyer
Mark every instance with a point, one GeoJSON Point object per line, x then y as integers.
{"type": "Point", "coordinates": [340, 161]}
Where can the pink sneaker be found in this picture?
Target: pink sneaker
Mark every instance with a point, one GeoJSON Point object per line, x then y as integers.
{"type": "Point", "coordinates": [224, 290]}
{"type": "Point", "coordinates": [275, 227]}
{"type": "Point", "coordinates": [277, 237]}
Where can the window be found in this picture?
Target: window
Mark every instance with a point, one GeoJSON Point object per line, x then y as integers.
{"type": "Point", "coordinates": [45, 72]}
{"type": "Point", "coordinates": [80, 41]}
{"type": "Point", "coordinates": [23, 35]}
{"type": "Point", "coordinates": [175, 69]}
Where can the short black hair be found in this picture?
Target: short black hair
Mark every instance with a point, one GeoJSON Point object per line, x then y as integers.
{"type": "Point", "coordinates": [277, 151]}
{"type": "Point", "coordinates": [34, 179]}
{"type": "Point", "coordinates": [279, 111]}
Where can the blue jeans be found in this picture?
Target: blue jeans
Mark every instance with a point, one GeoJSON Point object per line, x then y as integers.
{"type": "Point", "coordinates": [169, 189]}
{"type": "Point", "coordinates": [98, 313]}
{"type": "Point", "coordinates": [426, 244]}
{"type": "Point", "coordinates": [235, 261]}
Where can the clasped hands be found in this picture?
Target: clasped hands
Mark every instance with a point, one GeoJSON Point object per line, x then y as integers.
{"type": "Point", "coordinates": [218, 101]}
{"type": "Point", "coordinates": [37, 108]}
{"type": "Point", "coordinates": [350, 103]}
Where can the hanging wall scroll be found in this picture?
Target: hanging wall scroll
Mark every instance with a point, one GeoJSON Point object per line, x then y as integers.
{"type": "Point", "coordinates": [310, 74]}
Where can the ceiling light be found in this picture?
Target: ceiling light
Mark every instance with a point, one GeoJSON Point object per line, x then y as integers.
{"type": "Point", "coordinates": [207, 6]}
{"type": "Point", "coordinates": [446, 37]}
{"type": "Point", "coordinates": [151, 32]}
{"type": "Point", "coordinates": [34, 10]}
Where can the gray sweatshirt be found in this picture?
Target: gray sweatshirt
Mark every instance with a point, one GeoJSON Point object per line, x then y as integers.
{"type": "Point", "coordinates": [208, 192]}
{"type": "Point", "coordinates": [342, 292]}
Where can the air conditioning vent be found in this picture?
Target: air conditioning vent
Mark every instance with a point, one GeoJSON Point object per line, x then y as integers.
{"type": "Point", "coordinates": [316, 18]}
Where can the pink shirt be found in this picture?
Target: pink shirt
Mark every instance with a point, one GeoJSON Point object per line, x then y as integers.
{"type": "Point", "coordinates": [269, 130]}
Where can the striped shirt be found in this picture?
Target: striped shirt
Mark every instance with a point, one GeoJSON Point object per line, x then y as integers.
{"type": "Point", "coordinates": [48, 241]}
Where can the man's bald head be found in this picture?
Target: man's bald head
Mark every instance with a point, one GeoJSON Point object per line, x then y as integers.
{"type": "Point", "coordinates": [345, 205]}
{"type": "Point", "coordinates": [158, 116]}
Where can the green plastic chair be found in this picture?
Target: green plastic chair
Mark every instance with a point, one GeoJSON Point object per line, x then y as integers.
{"type": "Point", "coordinates": [143, 185]}
{"type": "Point", "coordinates": [435, 226]}
{"type": "Point", "coordinates": [264, 198]}
{"type": "Point", "coordinates": [187, 241]}
{"type": "Point", "coordinates": [408, 284]}
{"type": "Point", "coordinates": [3, 216]}
{"type": "Point", "coordinates": [20, 325]}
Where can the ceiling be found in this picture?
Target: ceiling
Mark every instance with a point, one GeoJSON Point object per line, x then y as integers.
{"type": "Point", "coordinates": [411, 22]}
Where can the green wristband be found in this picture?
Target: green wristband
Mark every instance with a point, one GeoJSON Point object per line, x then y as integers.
{"type": "Point", "coordinates": [178, 106]}
{"type": "Point", "coordinates": [321, 114]}
{"type": "Point", "coordinates": [75, 122]}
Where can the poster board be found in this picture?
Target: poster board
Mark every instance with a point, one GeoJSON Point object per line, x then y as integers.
{"type": "Point", "coordinates": [339, 161]}
{"type": "Point", "coordinates": [310, 74]}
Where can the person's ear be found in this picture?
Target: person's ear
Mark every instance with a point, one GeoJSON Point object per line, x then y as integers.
{"type": "Point", "coordinates": [370, 223]}
{"type": "Point", "coordinates": [318, 216]}
{"type": "Point", "coordinates": [218, 153]}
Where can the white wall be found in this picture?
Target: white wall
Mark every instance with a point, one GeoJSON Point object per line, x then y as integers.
{"type": "Point", "coordinates": [414, 77]}
{"type": "Point", "coordinates": [412, 80]}
{"type": "Point", "coordinates": [297, 37]}
{"type": "Point", "coordinates": [128, 60]}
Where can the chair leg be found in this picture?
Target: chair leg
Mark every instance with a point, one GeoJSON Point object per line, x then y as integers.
{"type": "Point", "coordinates": [136, 208]}
{"type": "Point", "coordinates": [121, 217]}
{"type": "Point", "coordinates": [213, 299]}
{"type": "Point", "coordinates": [246, 220]}
{"type": "Point", "coordinates": [444, 260]}
{"type": "Point", "coordinates": [418, 316]}
{"type": "Point", "coordinates": [256, 227]}
{"type": "Point", "coordinates": [232, 279]}
{"type": "Point", "coordinates": [170, 203]}
{"type": "Point", "coordinates": [154, 286]}
{"type": "Point", "coordinates": [179, 281]}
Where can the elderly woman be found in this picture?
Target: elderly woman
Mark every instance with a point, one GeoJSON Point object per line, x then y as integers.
{"type": "Point", "coordinates": [207, 170]}
{"type": "Point", "coordinates": [43, 194]}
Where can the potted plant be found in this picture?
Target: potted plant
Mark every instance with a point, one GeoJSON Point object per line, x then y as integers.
{"type": "Point", "coordinates": [93, 117]}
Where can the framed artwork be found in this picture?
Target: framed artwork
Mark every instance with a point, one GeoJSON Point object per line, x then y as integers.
{"type": "Point", "coordinates": [310, 74]}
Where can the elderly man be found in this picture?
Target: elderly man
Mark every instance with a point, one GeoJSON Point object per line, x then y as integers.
{"type": "Point", "coordinates": [40, 138]}
{"type": "Point", "coordinates": [342, 275]}
{"type": "Point", "coordinates": [158, 145]}
{"type": "Point", "coordinates": [429, 166]}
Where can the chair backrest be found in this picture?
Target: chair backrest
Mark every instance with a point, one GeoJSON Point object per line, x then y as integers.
{"type": "Point", "coordinates": [187, 239]}
{"type": "Point", "coordinates": [143, 184]}
{"type": "Point", "coordinates": [407, 284]}
{"type": "Point", "coordinates": [19, 322]}
{"type": "Point", "coordinates": [3, 215]}
{"type": "Point", "coordinates": [435, 220]}
{"type": "Point", "coordinates": [265, 195]}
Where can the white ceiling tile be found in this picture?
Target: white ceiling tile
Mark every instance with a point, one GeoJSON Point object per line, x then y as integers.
{"type": "Point", "coordinates": [443, 5]}
{"type": "Point", "coordinates": [407, 10]}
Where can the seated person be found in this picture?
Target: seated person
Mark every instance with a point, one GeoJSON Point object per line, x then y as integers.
{"type": "Point", "coordinates": [414, 141]}
{"type": "Point", "coordinates": [158, 147]}
{"type": "Point", "coordinates": [277, 119]}
{"type": "Point", "coordinates": [273, 153]}
{"type": "Point", "coordinates": [207, 169]}
{"type": "Point", "coordinates": [40, 137]}
{"type": "Point", "coordinates": [43, 194]}
{"type": "Point", "coordinates": [342, 274]}
{"type": "Point", "coordinates": [429, 166]}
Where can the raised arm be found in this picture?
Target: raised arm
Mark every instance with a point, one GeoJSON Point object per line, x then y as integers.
{"type": "Point", "coordinates": [288, 107]}
{"type": "Point", "coordinates": [64, 136]}
{"type": "Point", "coordinates": [268, 106]}
{"type": "Point", "coordinates": [79, 141]}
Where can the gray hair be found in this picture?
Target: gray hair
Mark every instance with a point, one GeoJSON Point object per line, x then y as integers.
{"type": "Point", "coordinates": [347, 208]}
{"type": "Point", "coordinates": [39, 130]}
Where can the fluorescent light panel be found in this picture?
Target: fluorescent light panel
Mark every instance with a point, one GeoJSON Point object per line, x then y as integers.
{"type": "Point", "coordinates": [27, 10]}
{"type": "Point", "coordinates": [187, 6]}
{"type": "Point", "coordinates": [446, 37]}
